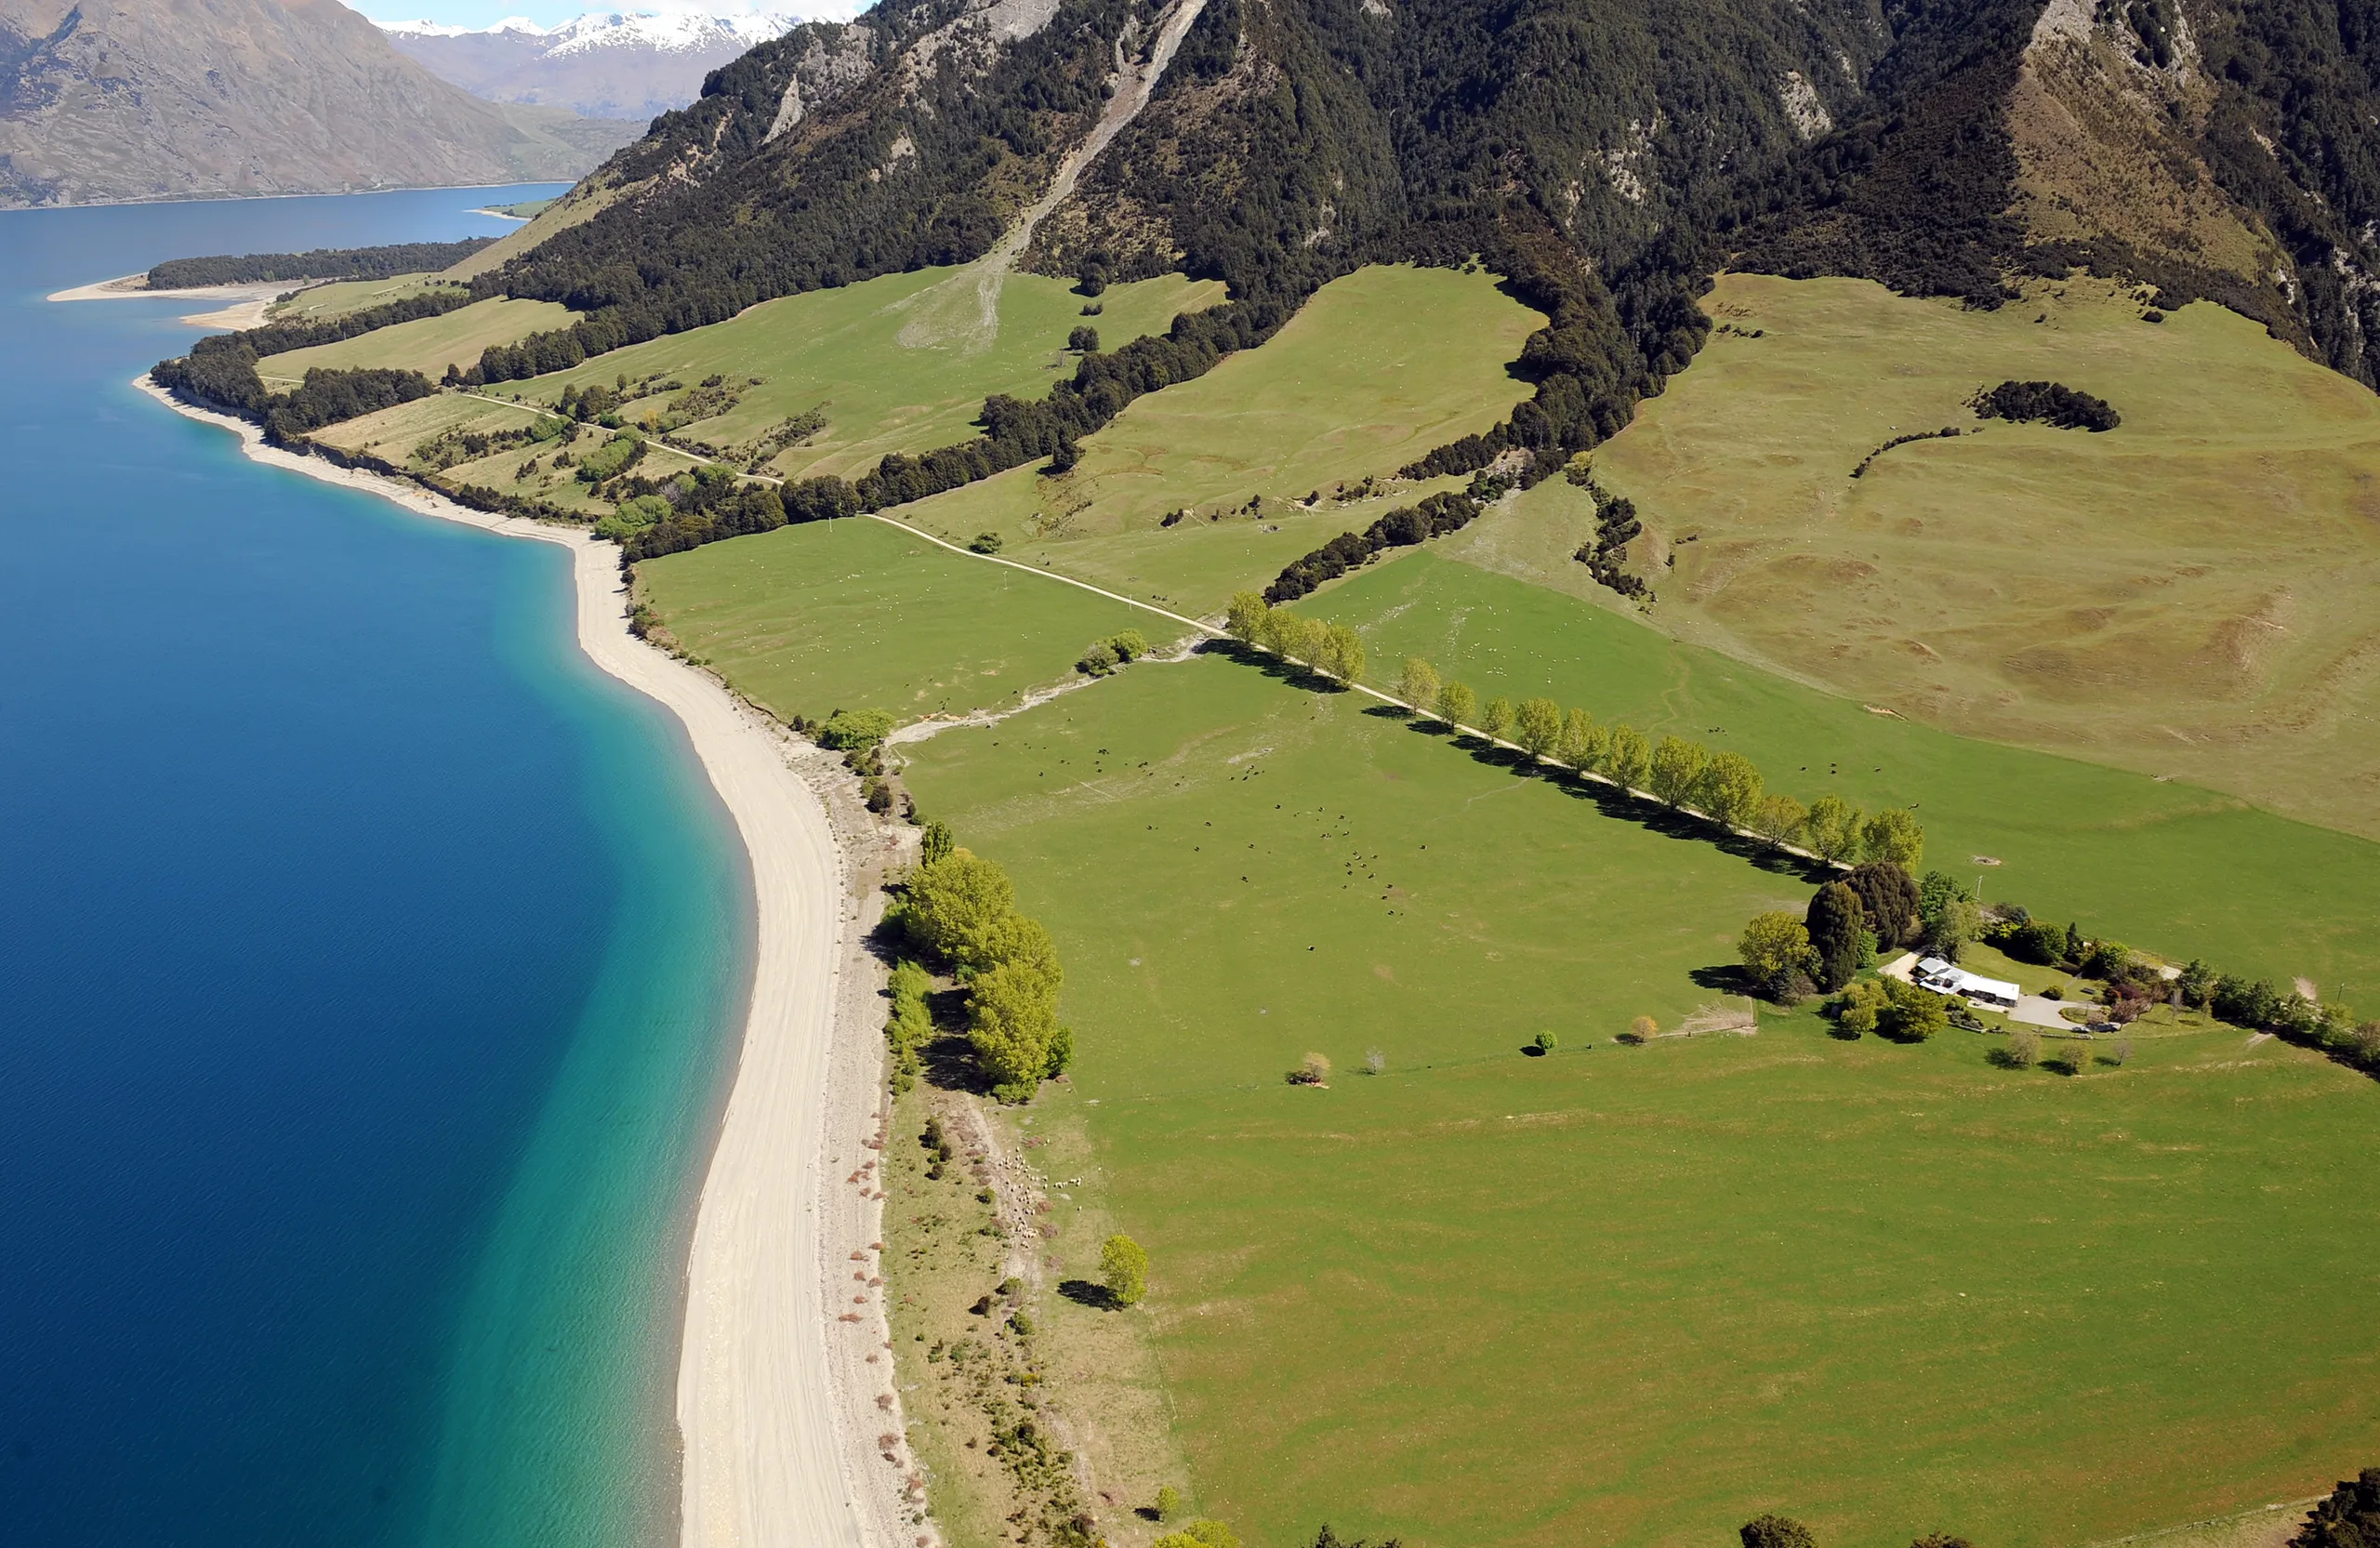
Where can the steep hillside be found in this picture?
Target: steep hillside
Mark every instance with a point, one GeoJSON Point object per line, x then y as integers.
{"type": "Point", "coordinates": [117, 100]}
{"type": "Point", "coordinates": [608, 65]}
{"type": "Point", "coordinates": [2227, 150]}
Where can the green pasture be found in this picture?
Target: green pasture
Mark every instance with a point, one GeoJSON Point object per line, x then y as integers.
{"type": "Point", "coordinates": [889, 358]}
{"type": "Point", "coordinates": [427, 344]}
{"type": "Point", "coordinates": [1632, 1295]}
{"type": "Point", "coordinates": [1375, 370]}
{"type": "Point", "coordinates": [2170, 867]}
{"type": "Point", "coordinates": [1192, 567]}
{"type": "Point", "coordinates": [856, 614]}
{"type": "Point", "coordinates": [2185, 595]}
{"type": "Point", "coordinates": [342, 296]}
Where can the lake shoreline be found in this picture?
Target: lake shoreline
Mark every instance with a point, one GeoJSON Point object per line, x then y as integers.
{"type": "Point", "coordinates": [774, 1412]}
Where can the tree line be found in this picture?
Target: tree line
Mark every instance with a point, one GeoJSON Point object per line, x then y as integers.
{"type": "Point", "coordinates": [1334, 650]}
{"type": "Point", "coordinates": [1408, 526]}
{"type": "Point", "coordinates": [320, 264]}
{"type": "Point", "coordinates": [1724, 787]}
{"type": "Point", "coordinates": [220, 370]}
{"type": "Point", "coordinates": [957, 912]}
{"type": "Point", "coordinates": [1615, 527]}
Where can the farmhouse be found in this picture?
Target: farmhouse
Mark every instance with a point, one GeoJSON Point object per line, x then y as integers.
{"type": "Point", "coordinates": [1944, 979]}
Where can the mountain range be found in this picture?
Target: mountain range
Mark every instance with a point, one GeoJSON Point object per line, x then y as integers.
{"type": "Point", "coordinates": [606, 65]}
{"type": "Point", "coordinates": [104, 101]}
{"type": "Point", "coordinates": [1608, 158]}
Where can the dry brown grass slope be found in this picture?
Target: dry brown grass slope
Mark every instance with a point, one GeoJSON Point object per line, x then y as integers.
{"type": "Point", "coordinates": [2188, 595]}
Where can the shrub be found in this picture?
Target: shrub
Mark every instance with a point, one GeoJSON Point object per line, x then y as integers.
{"type": "Point", "coordinates": [1084, 340]}
{"type": "Point", "coordinates": [854, 729]}
{"type": "Point", "coordinates": [1545, 1042]}
{"type": "Point", "coordinates": [1644, 1030]}
{"type": "Point", "coordinates": [1168, 1502]}
{"type": "Point", "coordinates": [1775, 1531]}
{"type": "Point", "coordinates": [1312, 1070]}
{"type": "Point", "coordinates": [983, 542]}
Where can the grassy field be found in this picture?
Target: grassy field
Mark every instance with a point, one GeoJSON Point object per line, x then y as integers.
{"type": "Point", "coordinates": [1378, 368]}
{"type": "Point", "coordinates": [2171, 867]}
{"type": "Point", "coordinates": [859, 615]}
{"type": "Point", "coordinates": [2185, 595]}
{"type": "Point", "coordinates": [884, 387]}
{"type": "Point", "coordinates": [345, 295]}
{"type": "Point", "coordinates": [1632, 1295]}
{"type": "Point", "coordinates": [428, 345]}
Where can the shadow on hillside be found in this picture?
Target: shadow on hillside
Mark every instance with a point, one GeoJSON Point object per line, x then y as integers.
{"type": "Point", "coordinates": [1610, 800]}
{"type": "Point", "coordinates": [1280, 669]}
{"type": "Point", "coordinates": [1726, 978]}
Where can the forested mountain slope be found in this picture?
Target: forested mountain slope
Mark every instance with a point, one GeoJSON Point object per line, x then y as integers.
{"type": "Point", "coordinates": [2216, 148]}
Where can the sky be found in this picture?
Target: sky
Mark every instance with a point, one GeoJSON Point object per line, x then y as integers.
{"type": "Point", "coordinates": [549, 13]}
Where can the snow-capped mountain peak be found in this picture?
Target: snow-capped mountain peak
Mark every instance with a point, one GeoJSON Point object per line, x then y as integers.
{"type": "Point", "coordinates": [606, 64]}
{"type": "Point", "coordinates": [675, 34]}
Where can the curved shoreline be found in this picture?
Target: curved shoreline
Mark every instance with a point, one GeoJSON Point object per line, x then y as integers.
{"type": "Point", "coordinates": [773, 1424]}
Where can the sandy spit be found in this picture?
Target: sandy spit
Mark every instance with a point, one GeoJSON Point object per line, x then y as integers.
{"type": "Point", "coordinates": [778, 1412]}
{"type": "Point", "coordinates": [245, 307]}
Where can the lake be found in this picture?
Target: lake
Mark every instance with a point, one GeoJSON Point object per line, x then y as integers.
{"type": "Point", "coordinates": [370, 973]}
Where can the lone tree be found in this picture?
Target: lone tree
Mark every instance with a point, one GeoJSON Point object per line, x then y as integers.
{"type": "Point", "coordinates": [1418, 685]}
{"type": "Point", "coordinates": [1676, 770]}
{"type": "Point", "coordinates": [1889, 899]}
{"type": "Point", "coordinates": [1835, 924]}
{"type": "Point", "coordinates": [1775, 1531]}
{"type": "Point", "coordinates": [1776, 950]}
{"type": "Point", "coordinates": [1124, 1268]}
{"type": "Point", "coordinates": [1084, 340]}
{"type": "Point", "coordinates": [1537, 727]}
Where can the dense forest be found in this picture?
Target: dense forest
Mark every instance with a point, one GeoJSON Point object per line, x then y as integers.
{"type": "Point", "coordinates": [322, 263]}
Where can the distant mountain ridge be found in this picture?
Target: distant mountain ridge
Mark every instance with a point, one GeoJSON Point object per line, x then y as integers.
{"type": "Point", "coordinates": [110, 100]}
{"type": "Point", "coordinates": [617, 64]}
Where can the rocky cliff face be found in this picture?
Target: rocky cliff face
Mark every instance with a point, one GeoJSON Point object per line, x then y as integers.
{"type": "Point", "coordinates": [120, 100]}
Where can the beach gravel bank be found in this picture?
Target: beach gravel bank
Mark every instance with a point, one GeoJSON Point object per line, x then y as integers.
{"type": "Point", "coordinates": [779, 1410]}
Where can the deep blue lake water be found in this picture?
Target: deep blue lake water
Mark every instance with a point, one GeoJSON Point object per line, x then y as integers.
{"type": "Point", "coordinates": [369, 967]}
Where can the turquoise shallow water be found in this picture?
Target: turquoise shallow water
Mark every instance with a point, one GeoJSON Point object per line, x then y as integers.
{"type": "Point", "coordinates": [371, 969]}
